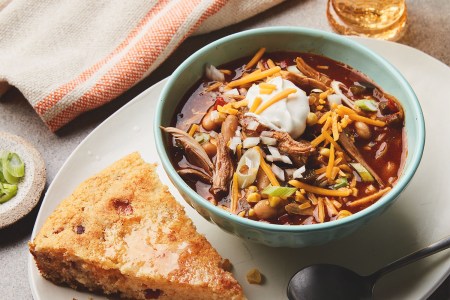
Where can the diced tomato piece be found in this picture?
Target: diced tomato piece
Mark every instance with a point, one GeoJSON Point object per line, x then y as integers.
{"type": "Point", "coordinates": [219, 101]}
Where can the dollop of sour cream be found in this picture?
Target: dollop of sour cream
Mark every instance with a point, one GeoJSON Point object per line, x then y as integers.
{"type": "Point", "coordinates": [287, 115]}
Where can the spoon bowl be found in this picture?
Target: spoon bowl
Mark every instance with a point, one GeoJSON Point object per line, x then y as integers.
{"type": "Point", "coordinates": [326, 281]}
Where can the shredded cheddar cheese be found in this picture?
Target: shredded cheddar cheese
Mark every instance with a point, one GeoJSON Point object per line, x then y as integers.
{"type": "Point", "coordinates": [278, 97]}
{"type": "Point", "coordinates": [330, 162]}
{"type": "Point", "coordinates": [267, 169]}
{"type": "Point", "coordinates": [334, 172]}
{"type": "Point", "coordinates": [321, 170]}
{"type": "Point", "coordinates": [213, 86]}
{"type": "Point", "coordinates": [345, 110]}
{"type": "Point", "coordinates": [327, 124]}
{"type": "Point", "coordinates": [270, 63]}
{"type": "Point", "coordinates": [255, 104]}
{"type": "Point", "coordinates": [356, 117]}
{"type": "Point", "coordinates": [239, 104]}
{"type": "Point", "coordinates": [320, 210]}
{"type": "Point", "coordinates": [331, 140]}
{"type": "Point", "coordinates": [324, 117]}
{"type": "Point", "coordinates": [265, 91]}
{"type": "Point", "coordinates": [332, 211]}
{"type": "Point", "coordinates": [369, 199]}
{"type": "Point", "coordinates": [257, 71]}
{"type": "Point", "coordinates": [318, 140]}
{"type": "Point", "coordinates": [235, 193]}
{"type": "Point", "coordinates": [239, 151]}
{"type": "Point", "coordinates": [320, 191]}
{"type": "Point", "coordinates": [254, 77]}
{"type": "Point", "coordinates": [193, 129]}
{"type": "Point", "coordinates": [334, 125]}
{"type": "Point", "coordinates": [265, 85]}
{"type": "Point", "coordinates": [227, 109]}
{"type": "Point", "coordinates": [255, 58]}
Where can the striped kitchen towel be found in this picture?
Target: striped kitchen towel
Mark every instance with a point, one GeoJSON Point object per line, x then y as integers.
{"type": "Point", "coordinates": [68, 57]}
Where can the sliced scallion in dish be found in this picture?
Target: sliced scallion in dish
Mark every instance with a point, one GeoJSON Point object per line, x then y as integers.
{"type": "Point", "coordinates": [367, 105]}
{"type": "Point", "coordinates": [7, 191]}
{"type": "Point", "coordinates": [279, 191]}
{"type": "Point", "coordinates": [12, 169]}
{"type": "Point", "coordinates": [363, 173]}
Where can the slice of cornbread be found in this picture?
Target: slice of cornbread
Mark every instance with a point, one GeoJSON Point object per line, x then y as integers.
{"type": "Point", "coordinates": [121, 233]}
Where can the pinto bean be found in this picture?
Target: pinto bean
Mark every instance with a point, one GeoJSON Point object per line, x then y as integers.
{"type": "Point", "coordinates": [210, 149]}
{"type": "Point", "coordinates": [363, 130]}
{"type": "Point", "coordinates": [208, 123]}
{"type": "Point", "coordinates": [263, 210]}
{"type": "Point", "coordinates": [262, 180]}
{"type": "Point", "coordinates": [229, 127]}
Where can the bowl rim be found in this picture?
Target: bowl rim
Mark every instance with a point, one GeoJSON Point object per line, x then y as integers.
{"type": "Point", "coordinates": [415, 155]}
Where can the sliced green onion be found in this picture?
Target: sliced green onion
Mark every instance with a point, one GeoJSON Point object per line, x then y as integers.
{"type": "Point", "coordinates": [279, 191]}
{"type": "Point", "coordinates": [8, 177]}
{"type": "Point", "coordinates": [2, 178]}
{"type": "Point", "coordinates": [7, 191]}
{"type": "Point", "coordinates": [340, 183]}
{"type": "Point", "coordinates": [201, 137]}
{"type": "Point", "coordinates": [13, 164]}
{"type": "Point", "coordinates": [367, 105]}
{"type": "Point", "coordinates": [363, 173]}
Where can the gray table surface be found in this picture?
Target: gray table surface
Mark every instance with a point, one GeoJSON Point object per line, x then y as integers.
{"type": "Point", "coordinates": [428, 30]}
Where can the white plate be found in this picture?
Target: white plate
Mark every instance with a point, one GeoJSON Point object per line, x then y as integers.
{"type": "Point", "coordinates": [418, 218]}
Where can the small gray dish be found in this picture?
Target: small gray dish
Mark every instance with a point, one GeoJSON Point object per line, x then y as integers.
{"type": "Point", "coordinates": [30, 186]}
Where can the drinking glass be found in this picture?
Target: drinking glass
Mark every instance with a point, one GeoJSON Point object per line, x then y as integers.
{"type": "Point", "coordinates": [384, 19]}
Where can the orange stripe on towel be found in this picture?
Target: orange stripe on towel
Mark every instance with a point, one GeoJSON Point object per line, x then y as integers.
{"type": "Point", "coordinates": [134, 64]}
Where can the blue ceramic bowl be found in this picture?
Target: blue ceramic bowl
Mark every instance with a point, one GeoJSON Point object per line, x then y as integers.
{"type": "Point", "coordinates": [301, 40]}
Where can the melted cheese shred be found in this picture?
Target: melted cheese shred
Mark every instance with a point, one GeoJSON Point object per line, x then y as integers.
{"type": "Point", "coordinates": [193, 129]}
{"type": "Point", "coordinates": [320, 191]}
{"type": "Point", "coordinates": [255, 58]}
{"type": "Point", "coordinates": [235, 193]}
{"type": "Point", "coordinates": [255, 104]}
{"type": "Point", "coordinates": [267, 169]}
{"type": "Point", "coordinates": [254, 77]}
{"type": "Point", "coordinates": [342, 111]}
{"type": "Point", "coordinates": [330, 162]}
{"type": "Point", "coordinates": [369, 199]}
{"type": "Point", "coordinates": [278, 97]}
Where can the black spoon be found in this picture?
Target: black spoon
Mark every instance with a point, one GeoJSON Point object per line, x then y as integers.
{"type": "Point", "coordinates": [324, 281]}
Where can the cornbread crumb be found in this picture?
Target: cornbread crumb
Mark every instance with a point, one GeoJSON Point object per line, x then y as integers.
{"type": "Point", "coordinates": [121, 233]}
{"type": "Point", "coordinates": [254, 276]}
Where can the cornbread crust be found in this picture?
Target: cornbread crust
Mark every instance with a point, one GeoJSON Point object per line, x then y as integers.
{"type": "Point", "coordinates": [122, 233]}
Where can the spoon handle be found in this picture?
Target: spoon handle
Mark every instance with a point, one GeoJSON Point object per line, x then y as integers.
{"type": "Point", "coordinates": [431, 249]}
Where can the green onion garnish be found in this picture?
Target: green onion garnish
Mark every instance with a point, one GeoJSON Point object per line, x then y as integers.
{"type": "Point", "coordinates": [12, 169]}
{"type": "Point", "coordinates": [340, 183]}
{"type": "Point", "coordinates": [279, 191]}
{"type": "Point", "coordinates": [7, 191]}
{"type": "Point", "coordinates": [14, 165]}
{"type": "Point", "coordinates": [367, 105]}
{"type": "Point", "coordinates": [363, 173]}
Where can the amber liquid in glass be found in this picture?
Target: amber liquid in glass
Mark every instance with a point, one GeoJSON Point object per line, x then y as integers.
{"type": "Point", "coordinates": [384, 19]}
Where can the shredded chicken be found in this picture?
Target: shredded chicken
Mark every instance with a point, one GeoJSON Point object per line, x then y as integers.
{"type": "Point", "coordinates": [311, 72]}
{"type": "Point", "coordinates": [304, 82]}
{"type": "Point", "coordinates": [194, 172]}
{"type": "Point", "coordinates": [194, 151]}
{"type": "Point", "coordinates": [244, 121]}
{"type": "Point", "coordinates": [353, 152]}
{"type": "Point", "coordinates": [223, 169]}
{"type": "Point", "coordinates": [297, 150]}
